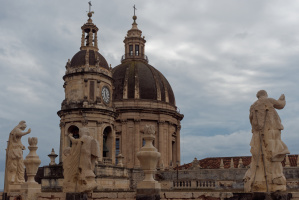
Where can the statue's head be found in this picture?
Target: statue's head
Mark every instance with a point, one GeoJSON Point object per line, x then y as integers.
{"type": "Point", "coordinates": [261, 94]}
{"type": "Point", "coordinates": [83, 131]}
{"type": "Point", "coordinates": [22, 125]}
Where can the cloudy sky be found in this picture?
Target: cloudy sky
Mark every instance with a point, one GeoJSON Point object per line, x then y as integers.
{"type": "Point", "coordinates": [215, 54]}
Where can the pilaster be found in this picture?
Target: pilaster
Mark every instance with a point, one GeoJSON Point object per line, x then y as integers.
{"type": "Point", "coordinates": [137, 142]}
{"type": "Point", "coordinates": [178, 142]}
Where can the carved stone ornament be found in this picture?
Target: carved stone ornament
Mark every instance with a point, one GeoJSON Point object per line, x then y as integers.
{"type": "Point", "coordinates": [268, 150]}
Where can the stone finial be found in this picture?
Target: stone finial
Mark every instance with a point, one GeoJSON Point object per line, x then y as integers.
{"type": "Point", "coordinates": [195, 164]}
{"type": "Point", "coordinates": [221, 164]}
{"type": "Point", "coordinates": [52, 157]}
{"type": "Point", "coordinates": [148, 157]}
{"type": "Point", "coordinates": [287, 163]}
{"type": "Point", "coordinates": [32, 160]}
{"type": "Point", "coordinates": [120, 159]}
{"type": "Point", "coordinates": [232, 163]}
{"type": "Point", "coordinates": [240, 165]}
{"type": "Point", "coordinates": [149, 130]}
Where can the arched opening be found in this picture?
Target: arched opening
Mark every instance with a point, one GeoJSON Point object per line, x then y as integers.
{"type": "Point", "coordinates": [107, 142]}
{"type": "Point", "coordinates": [73, 130]}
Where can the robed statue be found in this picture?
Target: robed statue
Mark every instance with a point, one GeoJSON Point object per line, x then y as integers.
{"type": "Point", "coordinates": [79, 163]}
{"type": "Point", "coordinates": [14, 169]}
{"type": "Point", "coordinates": [268, 150]}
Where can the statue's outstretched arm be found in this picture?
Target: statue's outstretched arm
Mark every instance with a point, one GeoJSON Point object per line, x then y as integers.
{"type": "Point", "coordinates": [72, 138]}
{"type": "Point", "coordinates": [19, 133]}
{"type": "Point", "coordinates": [280, 103]}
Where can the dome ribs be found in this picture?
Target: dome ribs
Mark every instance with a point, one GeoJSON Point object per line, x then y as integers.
{"type": "Point", "coordinates": [78, 59]}
{"type": "Point", "coordinates": [119, 82]}
{"type": "Point", "coordinates": [139, 80]}
{"type": "Point", "coordinates": [131, 81]}
{"type": "Point", "coordinates": [159, 85]}
{"type": "Point", "coordinates": [147, 83]}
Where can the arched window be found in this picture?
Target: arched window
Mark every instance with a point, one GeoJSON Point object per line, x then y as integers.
{"type": "Point", "coordinates": [75, 131]}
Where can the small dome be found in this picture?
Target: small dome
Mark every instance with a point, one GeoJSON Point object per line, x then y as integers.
{"type": "Point", "coordinates": [78, 59]}
{"type": "Point", "coordinates": [152, 84]}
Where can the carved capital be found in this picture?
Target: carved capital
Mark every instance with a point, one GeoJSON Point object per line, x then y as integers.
{"type": "Point", "coordinates": [99, 123]}
{"type": "Point", "coordinates": [161, 122]}
{"type": "Point", "coordinates": [62, 124]}
{"type": "Point", "coordinates": [124, 121]}
{"type": "Point", "coordinates": [179, 127]}
{"type": "Point", "coordinates": [137, 120]}
{"type": "Point", "coordinates": [84, 122]}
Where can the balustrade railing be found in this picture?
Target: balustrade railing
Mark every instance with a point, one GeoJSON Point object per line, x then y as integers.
{"type": "Point", "coordinates": [184, 184]}
{"type": "Point", "coordinates": [134, 55]}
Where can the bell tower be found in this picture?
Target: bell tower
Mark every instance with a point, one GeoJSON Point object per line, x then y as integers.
{"type": "Point", "coordinates": [88, 96]}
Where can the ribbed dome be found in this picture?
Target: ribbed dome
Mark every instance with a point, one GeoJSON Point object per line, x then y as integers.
{"type": "Point", "coordinates": [78, 59]}
{"type": "Point", "coordinates": [140, 76]}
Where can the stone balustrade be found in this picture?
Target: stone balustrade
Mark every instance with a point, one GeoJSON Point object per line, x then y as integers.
{"type": "Point", "coordinates": [193, 184]}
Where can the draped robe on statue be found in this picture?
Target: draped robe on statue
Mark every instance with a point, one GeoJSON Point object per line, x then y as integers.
{"type": "Point", "coordinates": [79, 165]}
{"type": "Point", "coordinates": [266, 127]}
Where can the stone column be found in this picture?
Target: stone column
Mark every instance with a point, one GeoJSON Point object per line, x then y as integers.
{"type": "Point", "coordinates": [113, 144]}
{"type": "Point", "coordinates": [100, 140]}
{"type": "Point", "coordinates": [82, 38]}
{"type": "Point", "coordinates": [123, 140]}
{"type": "Point", "coordinates": [178, 147]}
{"type": "Point", "coordinates": [96, 40]}
{"type": "Point", "coordinates": [161, 140]}
{"type": "Point", "coordinates": [31, 162]}
{"type": "Point", "coordinates": [170, 146]}
{"type": "Point", "coordinates": [62, 130]}
{"type": "Point", "coordinates": [137, 142]}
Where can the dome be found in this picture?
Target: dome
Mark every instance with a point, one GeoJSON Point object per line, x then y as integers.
{"type": "Point", "coordinates": [78, 59]}
{"type": "Point", "coordinates": [148, 81]}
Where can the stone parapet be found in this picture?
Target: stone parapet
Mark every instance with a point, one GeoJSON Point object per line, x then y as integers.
{"type": "Point", "coordinates": [217, 179]}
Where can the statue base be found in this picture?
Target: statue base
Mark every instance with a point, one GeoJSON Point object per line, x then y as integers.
{"type": "Point", "coordinates": [149, 185]}
{"type": "Point", "coordinates": [148, 194]}
{"type": "Point", "coordinates": [262, 196]}
{"type": "Point", "coordinates": [30, 189]}
{"type": "Point", "coordinates": [271, 196]}
{"type": "Point", "coordinates": [76, 196]}
{"type": "Point", "coordinates": [14, 187]}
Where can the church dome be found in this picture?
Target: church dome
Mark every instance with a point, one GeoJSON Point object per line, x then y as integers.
{"type": "Point", "coordinates": [139, 80]}
{"type": "Point", "coordinates": [79, 59]}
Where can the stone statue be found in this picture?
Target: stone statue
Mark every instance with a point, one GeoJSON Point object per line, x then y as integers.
{"type": "Point", "coordinates": [14, 169]}
{"type": "Point", "coordinates": [268, 151]}
{"type": "Point", "coordinates": [79, 163]}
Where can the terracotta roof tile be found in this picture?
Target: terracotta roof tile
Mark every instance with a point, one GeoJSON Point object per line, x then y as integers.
{"type": "Point", "coordinates": [214, 163]}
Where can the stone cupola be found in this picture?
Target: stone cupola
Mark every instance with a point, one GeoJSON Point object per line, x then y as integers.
{"type": "Point", "coordinates": [134, 44]}
{"type": "Point", "coordinates": [89, 38]}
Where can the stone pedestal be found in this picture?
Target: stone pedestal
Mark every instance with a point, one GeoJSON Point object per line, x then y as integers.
{"type": "Point", "coordinates": [30, 190]}
{"type": "Point", "coordinates": [76, 196]}
{"type": "Point", "coordinates": [262, 196]}
{"type": "Point", "coordinates": [148, 194]}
